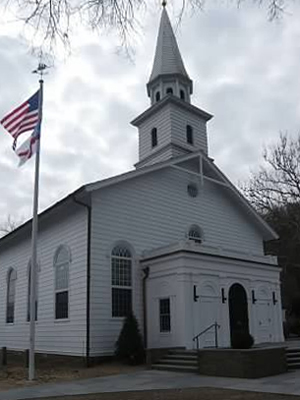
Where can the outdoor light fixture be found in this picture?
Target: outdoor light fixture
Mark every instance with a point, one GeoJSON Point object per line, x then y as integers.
{"type": "Point", "coordinates": [274, 298]}
{"type": "Point", "coordinates": [196, 297]}
{"type": "Point", "coordinates": [224, 299]}
{"type": "Point", "coordinates": [254, 300]}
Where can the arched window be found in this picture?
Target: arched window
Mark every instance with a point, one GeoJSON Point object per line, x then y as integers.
{"type": "Point", "coordinates": [189, 134]}
{"type": "Point", "coordinates": [154, 137]}
{"type": "Point", "coordinates": [169, 90]}
{"type": "Point", "coordinates": [195, 234]}
{"type": "Point", "coordinates": [182, 94]}
{"type": "Point", "coordinates": [62, 260]}
{"type": "Point", "coordinates": [157, 96]}
{"type": "Point", "coordinates": [29, 292]}
{"type": "Point", "coordinates": [11, 294]}
{"type": "Point", "coordinates": [121, 281]}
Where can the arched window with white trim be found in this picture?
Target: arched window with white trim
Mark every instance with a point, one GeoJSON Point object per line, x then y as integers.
{"type": "Point", "coordinates": [29, 292]}
{"type": "Point", "coordinates": [121, 281]}
{"type": "Point", "coordinates": [195, 234]}
{"type": "Point", "coordinates": [11, 295]}
{"type": "Point", "coordinates": [62, 260]}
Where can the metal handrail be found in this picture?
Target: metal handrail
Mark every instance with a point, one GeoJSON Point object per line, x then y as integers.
{"type": "Point", "coordinates": [214, 325]}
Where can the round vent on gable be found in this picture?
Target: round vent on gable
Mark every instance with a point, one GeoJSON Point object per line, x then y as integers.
{"type": "Point", "coordinates": [192, 189]}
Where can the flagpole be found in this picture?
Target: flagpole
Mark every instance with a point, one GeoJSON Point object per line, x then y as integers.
{"type": "Point", "coordinates": [33, 267]}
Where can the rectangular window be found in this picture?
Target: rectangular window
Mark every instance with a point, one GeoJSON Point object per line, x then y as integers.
{"type": "Point", "coordinates": [164, 315]}
{"type": "Point", "coordinates": [61, 305]}
{"type": "Point", "coordinates": [10, 307]}
{"type": "Point", "coordinates": [10, 313]}
{"type": "Point", "coordinates": [121, 271]}
{"type": "Point", "coordinates": [62, 276]}
{"type": "Point", "coordinates": [121, 302]}
{"type": "Point", "coordinates": [154, 137]}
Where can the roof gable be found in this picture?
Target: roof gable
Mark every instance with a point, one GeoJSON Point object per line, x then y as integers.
{"type": "Point", "coordinates": [203, 167]}
{"type": "Point", "coordinates": [196, 163]}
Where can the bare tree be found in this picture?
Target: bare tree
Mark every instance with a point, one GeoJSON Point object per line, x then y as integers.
{"type": "Point", "coordinates": [274, 190]}
{"type": "Point", "coordinates": [9, 225]}
{"type": "Point", "coordinates": [277, 181]}
{"type": "Point", "coordinates": [53, 19]}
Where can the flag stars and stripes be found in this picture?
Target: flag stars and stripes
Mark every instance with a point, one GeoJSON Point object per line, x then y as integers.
{"type": "Point", "coordinates": [22, 119]}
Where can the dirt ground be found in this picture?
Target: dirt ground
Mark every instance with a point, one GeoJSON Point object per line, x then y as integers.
{"type": "Point", "coordinates": [15, 376]}
{"type": "Point", "coordinates": [182, 394]}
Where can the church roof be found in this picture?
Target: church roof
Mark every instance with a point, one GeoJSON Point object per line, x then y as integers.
{"type": "Point", "coordinates": [170, 99]}
{"type": "Point", "coordinates": [82, 194]}
{"type": "Point", "coordinates": [167, 59]}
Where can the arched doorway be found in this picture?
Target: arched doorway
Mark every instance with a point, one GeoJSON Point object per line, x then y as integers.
{"type": "Point", "coordinates": [238, 309]}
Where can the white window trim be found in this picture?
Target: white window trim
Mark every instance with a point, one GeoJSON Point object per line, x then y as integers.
{"type": "Point", "coordinates": [192, 238]}
{"type": "Point", "coordinates": [165, 333]}
{"type": "Point", "coordinates": [8, 283]}
{"type": "Point", "coordinates": [59, 248]}
{"type": "Point", "coordinates": [122, 243]}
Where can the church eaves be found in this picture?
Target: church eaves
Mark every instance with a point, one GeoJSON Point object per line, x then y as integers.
{"type": "Point", "coordinates": [167, 59]}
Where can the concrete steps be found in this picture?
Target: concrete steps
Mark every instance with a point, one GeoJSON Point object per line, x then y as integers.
{"type": "Point", "coordinates": [178, 360]}
{"type": "Point", "coordinates": [293, 358]}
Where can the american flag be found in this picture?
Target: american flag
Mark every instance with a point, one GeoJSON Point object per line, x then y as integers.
{"type": "Point", "coordinates": [22, 119]}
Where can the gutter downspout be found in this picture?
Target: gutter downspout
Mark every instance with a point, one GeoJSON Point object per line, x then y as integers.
{"type": "Point", "coordinates": [88, 277]}
{"type": "Point", "coordinates": [146, 274]}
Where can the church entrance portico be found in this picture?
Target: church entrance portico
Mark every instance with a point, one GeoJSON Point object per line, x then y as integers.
{"type": "Point", "coordinates": [202, 290]}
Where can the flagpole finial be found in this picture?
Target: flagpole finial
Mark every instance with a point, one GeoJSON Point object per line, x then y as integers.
{"type": "Point", "coordinates": [41, 67]}
{"type": "Point", "coordinates": [164, 3]}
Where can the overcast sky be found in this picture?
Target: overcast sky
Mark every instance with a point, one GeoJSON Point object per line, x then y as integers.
{"type": "Point", "coordinates": [246, 72]}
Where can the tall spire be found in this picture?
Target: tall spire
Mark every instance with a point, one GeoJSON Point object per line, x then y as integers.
{"type": "Point", "coordinates": [167, 60]}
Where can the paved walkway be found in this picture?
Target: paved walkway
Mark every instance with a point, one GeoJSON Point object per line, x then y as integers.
{"type": "Point", "coordinates": [288, 383]}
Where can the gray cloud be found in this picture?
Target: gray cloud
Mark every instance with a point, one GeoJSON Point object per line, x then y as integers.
{"type": "Point", "coordinates": [245, 71]}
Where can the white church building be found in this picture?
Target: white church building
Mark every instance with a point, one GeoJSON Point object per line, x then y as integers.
{"type": "Point", "coordinates": [172, 240]}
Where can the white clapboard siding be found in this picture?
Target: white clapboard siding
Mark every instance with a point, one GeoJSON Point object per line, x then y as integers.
{"type": "Point", "coordinates": [162, 122]}
{"type": "Point", "coordinates": [180, 119]}
{"type": "Point", "coordinates": [60, 337]}
{"type": "Point", "coordinates": [162, 155]}
{"type": "Point", "coordinates": [170, 122]}
{"type": "Point", "coordinates": [150, 212]}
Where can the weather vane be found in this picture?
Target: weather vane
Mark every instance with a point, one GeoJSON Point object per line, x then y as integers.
{"type": "Point", "coordinates": [41, 67]}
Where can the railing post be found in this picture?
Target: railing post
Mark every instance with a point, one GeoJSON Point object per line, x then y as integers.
{"type": "Point", "coordinates": [214, 325]}
{"type": "Point", "coordinates": [216, 334]}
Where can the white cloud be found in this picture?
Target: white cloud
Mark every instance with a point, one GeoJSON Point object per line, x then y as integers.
{"type": "Point", "coordinates": [245, 71]}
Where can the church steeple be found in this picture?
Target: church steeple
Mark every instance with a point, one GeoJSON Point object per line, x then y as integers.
{"type": "Point", "coordinates": [171, 126]}
{"type": "Point", "coordinates": [168, 74]}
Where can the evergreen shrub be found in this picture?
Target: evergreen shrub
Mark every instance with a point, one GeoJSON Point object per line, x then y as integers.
{"type": "Point", "coordinates": [241, 340]}
{"type": "Point", "coordinates": [129, 346]}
